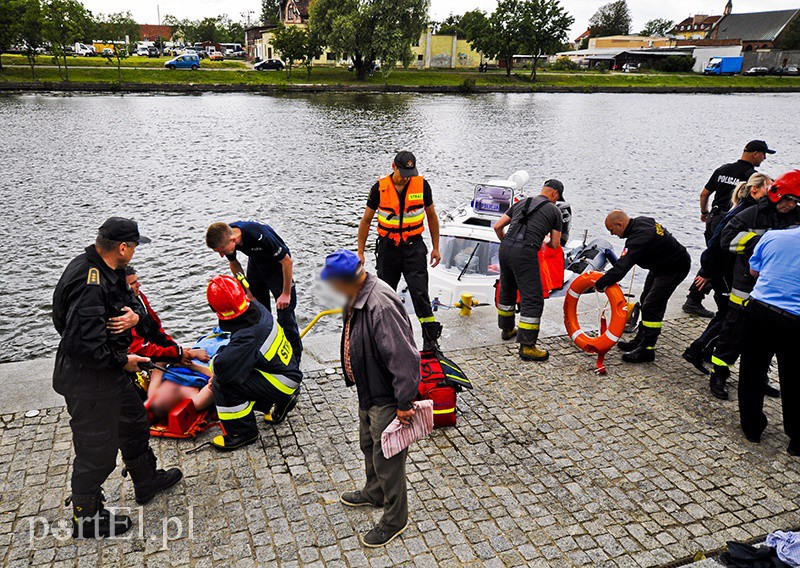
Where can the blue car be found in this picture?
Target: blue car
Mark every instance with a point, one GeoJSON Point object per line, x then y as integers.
{"type": "Point", "coordinates": [185, 61]}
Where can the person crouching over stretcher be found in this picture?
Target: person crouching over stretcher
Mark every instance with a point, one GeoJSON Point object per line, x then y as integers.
{"type": "Point", "coordinates": [257, 370]}
{"type": "Point", "coordinates": [192, 380]}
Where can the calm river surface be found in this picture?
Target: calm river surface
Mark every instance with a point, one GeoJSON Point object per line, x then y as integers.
{"type": "Point", "coordinates": [304, 164]}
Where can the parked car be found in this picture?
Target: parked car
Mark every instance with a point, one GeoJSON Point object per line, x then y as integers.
{"type": "Point", "coordinates": [757, 71]}
{"type": "Point", "coordinates": [216, 56]}
{"type": "Point", "coordinates": [107, 52]}
{"type": "Point", "coordinates": [376, 66]}
{"type": "Point", "coordinates": [152, 51]}
{"type": "Point", "coordinates": [141, 51]}
{"type": "Point", "coordinates": [185, 61]}
{"type": "Point", "coordinates": [631, 68]}
{"type": "Point", "coordinates": [83, 50]}
{"type": "Point", "coordinates": [269, 64]}
{"type": "Point", "coordinates": [780, 71]}
{"type": "Point", "coordinates": [793, 71]}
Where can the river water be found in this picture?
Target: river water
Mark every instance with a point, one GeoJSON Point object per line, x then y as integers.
{"type": "Point", "coordinates": [304, 164]}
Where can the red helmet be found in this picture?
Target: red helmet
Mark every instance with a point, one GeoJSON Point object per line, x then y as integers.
{"type": "Point", "coordinates": [227, 297]}
{"type": "Point", "coordinates": [788, 185]}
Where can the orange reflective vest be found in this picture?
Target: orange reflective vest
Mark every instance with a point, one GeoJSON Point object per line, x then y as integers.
{"type": "Point", "coordinates": [401, 221]}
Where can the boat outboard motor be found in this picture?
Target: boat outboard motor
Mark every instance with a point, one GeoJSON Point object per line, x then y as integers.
{"type": "Point", "coordinates": [520, 178]}
{"type": "Point", "coordinates": [593, 256]}
{"type": "Point", "coordinates": [566, 215]}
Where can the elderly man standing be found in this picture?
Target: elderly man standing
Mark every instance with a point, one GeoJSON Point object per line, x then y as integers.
{"type": "Point", "coordinates": [379, 357]}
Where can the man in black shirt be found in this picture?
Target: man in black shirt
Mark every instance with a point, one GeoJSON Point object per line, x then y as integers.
{"type": "Point", "coordinates": [649, 245]}
{"type": "Point", "coordinates": [93, 315]}
{"type": "Point", "coordinates": [529, 223]}
{"type": "Point", "coordinates": [721, 185]}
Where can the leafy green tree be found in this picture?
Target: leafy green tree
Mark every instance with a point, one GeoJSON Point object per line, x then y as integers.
{"type": "Point", "coordinates": [369, 30]}
{"type": "Point", "coordinates": [543, 27]}
{"type": "Point", "coordinates": [30, 31]}
{"type": "Point", "coordinates": [10, 11]}
{"type": "Point", "coordinates": [63, 23]}
{"type": "Point", "coordinates": [659, 27]}
{"type": "Point", "coordinates": [270, 12]}
{"type": "Point", "coordinates": [611, 19]}
{"type": "Point", "coordinates": [790, 38]}
{"type": "Point", "coordinates": [451, 25]}
{"type": "Point", "coordinates": [498, 36]}
{"type": "Point", "coordinates": [114, 28]}
{"type": "Point", "coordinates": [314, 47]}
{"type": "Point", "coordinates": [290, 42]}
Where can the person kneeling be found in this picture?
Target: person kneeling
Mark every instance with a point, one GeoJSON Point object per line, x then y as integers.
{"type": "Point", "coordinates": [257, 370]}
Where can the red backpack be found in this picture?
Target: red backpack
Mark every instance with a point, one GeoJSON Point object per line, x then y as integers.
{"type": "Point", "coordinates": [441, 380]}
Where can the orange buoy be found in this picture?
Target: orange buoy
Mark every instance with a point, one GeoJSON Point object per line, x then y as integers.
{"type": "Point", "coordinates": [609, 334]}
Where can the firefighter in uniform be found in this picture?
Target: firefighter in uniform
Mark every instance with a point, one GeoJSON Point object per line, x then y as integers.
{"type": "Point", "coordinates": [721, 185]}
{"type": "Point", "coordinates": [93, 314]}
{"type": "Point", "coordinates": [270, 269]}
{"type": "Point", "coordinates": [257, 370]}
{"type": "Point", "coordinates": [776, 211]}
{"type": "Point", "coordinates": [529, 223]}
{"type": "Point", "coordinates": [403, 200]}
{"type": "Point", "coordinates": [649, 245]}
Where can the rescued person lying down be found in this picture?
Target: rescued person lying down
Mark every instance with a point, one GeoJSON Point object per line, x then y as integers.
{"type": "Point", "coordinates": [178, 382]}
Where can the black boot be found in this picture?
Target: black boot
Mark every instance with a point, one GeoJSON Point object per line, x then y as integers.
{"type": "Point", "coordinates": [90, 519]}
{"type": "Point", "coordinates": [696, 359]}
{"type": "Point", "coordinates": [628, 346]}
{"type": "Point", "coordinates": [770, 391]}
{"type": "Point", "coordinates": [718, 380]}
{"type": "Point", "coordinates": [641, 354]}
{"type": "Point", "coordinates": [281, 410]}
{"type": "Point", "coordinates": [431, 332]}
{"type": "Point", "coordinates": [695, 307]}
{"type": "Point", "coordinates": [230, 442]}
{"type": "Point", "coordinates": [147, 480]}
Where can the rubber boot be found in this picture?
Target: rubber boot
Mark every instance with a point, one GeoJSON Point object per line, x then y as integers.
{"type": "Point", "coordinates": [431, 332]}
{"type": "Point", "coordinates": [642, 354]}
{"type": "Point", "coordinates": [229, 443]}
{"type": "Point", "coordinates": [695, 308]}
{"type": "Point", "coordinates": [718, 380]}
{"type": "Point", "coordinates": [628, 346]}
{"type": "Point", "coordinates": [281, 411]}
{"type": "Point", "coordinates": [508, 334]}
{"type": "Point", "coordinates": [147, 480]}
{"type": "Point", "coordinates": [532, 353]}
{"type": "Point", "coordinates": [696, 359]}
{"type": "Point", "coordinates": [90, 519]}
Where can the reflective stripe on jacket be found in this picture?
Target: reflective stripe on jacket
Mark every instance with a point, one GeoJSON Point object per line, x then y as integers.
{"type": "Point", "coordinates": [401, 215]}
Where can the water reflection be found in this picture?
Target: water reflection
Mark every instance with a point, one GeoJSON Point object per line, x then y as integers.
{"type": "Point", "coordinates": [304, 164]}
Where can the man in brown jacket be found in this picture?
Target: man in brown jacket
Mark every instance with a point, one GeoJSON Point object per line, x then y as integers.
{"type": "Point", "coordinates": [380, 358]}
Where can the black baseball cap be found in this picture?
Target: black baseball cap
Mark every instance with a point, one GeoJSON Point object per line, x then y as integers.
{"type": "Point", "coordinates": [121, 230]}
{"type": "Point", "coordinates": [407, 164]}
{"type": "Point", "coordinates": [758, 146]}
{"type": "Point", "coordinates": [555, 185]}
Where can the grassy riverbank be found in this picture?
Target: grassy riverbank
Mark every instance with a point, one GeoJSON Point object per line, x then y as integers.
{"type": "Point", "coordinates": [105, 75]}
{"type": "Point", "coordinates": [132, 62]}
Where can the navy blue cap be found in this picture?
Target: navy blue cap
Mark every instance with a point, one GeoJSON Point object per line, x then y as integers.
{"type": "Point", "coordinates": [341, 265]}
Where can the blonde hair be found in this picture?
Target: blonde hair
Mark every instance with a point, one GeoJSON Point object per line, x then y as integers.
{"type": "Point", "coordinates": [743, 189]}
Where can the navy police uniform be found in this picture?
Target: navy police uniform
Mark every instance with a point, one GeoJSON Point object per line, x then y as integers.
{"type": "Point", "coordinates": [257, 370]}
{"type": "Point", "coordinates": [265, 250]}
{"type": "Point", "coordinates": [649, 245]}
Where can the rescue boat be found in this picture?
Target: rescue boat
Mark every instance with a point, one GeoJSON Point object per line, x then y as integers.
{"type": "Point", "coordinates": [470, 248]}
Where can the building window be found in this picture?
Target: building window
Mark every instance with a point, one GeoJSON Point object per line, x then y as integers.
{"type": "Point", "coordinates": [419, 57]}
{"type": "Point", "coordinates": [330, 56]}
{"type": "Point", "coordinates": [415, 43]}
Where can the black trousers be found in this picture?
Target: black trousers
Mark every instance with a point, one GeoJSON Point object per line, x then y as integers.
{"type": "Point", "coordinates": [658, 289]}
{"type": "Point", "coordinates": [236, 401]}
{"type": "Point", "coordinates": [409, 260]}
{"type": "Point", "coordinates": [730, 341]}
{"type": "Point", "coordinates": [519, 272]}
{"type": "Point", "coordinates": [707, 342]}
{"type": "Point", "coordinates": [768, 334]}
{"type": "Point", "coordinates": [264, 283]}
{"type": "Point", "coordinates": [100, 429]}
{"type": "Point", "coordinates": [713, 220]}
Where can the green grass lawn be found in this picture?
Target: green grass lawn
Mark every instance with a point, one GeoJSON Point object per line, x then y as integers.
{"type": "Point", "coordinates": [104, 73]}
{"type": "Point", "coordinates": [133, 61]}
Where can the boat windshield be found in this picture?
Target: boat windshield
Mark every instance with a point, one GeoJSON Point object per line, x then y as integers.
{"type": "Point", "coordinates": [470, 256]}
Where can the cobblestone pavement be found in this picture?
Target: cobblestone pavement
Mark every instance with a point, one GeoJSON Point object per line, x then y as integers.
{"type": "Point", "coordinates": [549, 466]}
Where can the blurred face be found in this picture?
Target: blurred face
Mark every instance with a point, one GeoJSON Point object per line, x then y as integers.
{"type": "Point", "coordinates": [167, 396]}
{"type": "Point", "coordinates": [348, 290]}
{"type": "Point", "coordinates": [397, 178]}
{"type": "Point", "coordinates": [760, 191]}
{"type": "Point", "coordinates": [228, 248]}
{"type": "Point", "coordinates": [133, 282]}
{"type": "Point", "coordinates": [786, 205]}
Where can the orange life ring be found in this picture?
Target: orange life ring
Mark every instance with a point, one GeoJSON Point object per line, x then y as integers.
{"type": "Point", "coordinates": [619, 315]}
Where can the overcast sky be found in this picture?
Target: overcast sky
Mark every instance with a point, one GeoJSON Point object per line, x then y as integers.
{"type": "Point", "coordinates": [145, 11]}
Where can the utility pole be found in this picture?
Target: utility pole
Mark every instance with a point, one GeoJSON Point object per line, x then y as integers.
{"type": "Point", "coordinates": [246, 15]}
{"type": "Point", "coordinates": [158, 12]}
